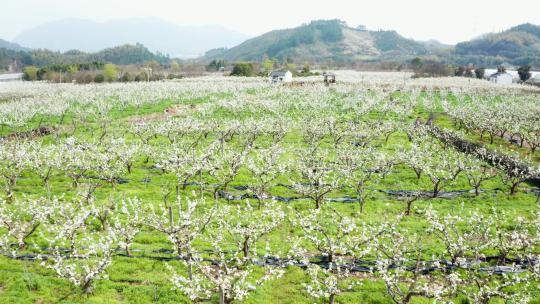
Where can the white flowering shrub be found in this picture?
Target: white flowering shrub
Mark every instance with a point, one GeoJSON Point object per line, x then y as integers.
{"type": "Point", "coordinates": [22, 218]}
{"type": "Point", "coordinates": [226, 274]}
{"type": "Point", "coordinates": [247, 225]}
{"type": "Point", "coordinates": [87, 263]}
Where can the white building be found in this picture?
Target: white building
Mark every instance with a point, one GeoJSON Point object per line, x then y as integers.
{"type": "Point", "coordinates": [514, 73]}
{"type": "Point", "coordinates": [535, 79]}
{"type": "Point", "coordinates": [280, 76]}
{"type": "Point", "coordinates": [501, 78]}
{"type": "Point", "coordinates": [535, 75]}
{"type": "Point", "coordinates": [11, 77]}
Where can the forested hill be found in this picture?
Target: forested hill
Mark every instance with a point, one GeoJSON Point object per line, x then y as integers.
{"type": "Point", "coordinates": [323, 40]}
{"type": "Point", "coordinates": [333, 41]}
{"type": "Point", "coordinates": [125, 54]}
{"type": "Point", "coordinates": [11, 46]}
{"type": "Point", "coordinates": [519, 45]}
{"type": "Point", "coordinates": [122, 55]}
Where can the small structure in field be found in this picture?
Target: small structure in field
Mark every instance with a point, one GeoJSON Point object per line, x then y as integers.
{"type": "Point", "coordinates": [329, 78]}
{"type": "Point", "coordinates": [501, 77]}
{"type": "Point", "coordinates": [534, 80]}
{"type": "Point", "coordinates": [11, 77]}
{"type": "Point", "coordinates": [280, 76]}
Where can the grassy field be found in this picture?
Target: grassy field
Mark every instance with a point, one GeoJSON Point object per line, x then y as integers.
{"type": "Point", "coordinates": [243, 118]}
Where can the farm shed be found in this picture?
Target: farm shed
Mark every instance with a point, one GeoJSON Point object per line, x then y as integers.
{"type": "Point", "coordinates": [329, 78]}
{"type": "Point", "coordinates": [280, 76]}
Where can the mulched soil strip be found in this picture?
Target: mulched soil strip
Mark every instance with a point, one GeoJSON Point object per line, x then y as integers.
{"type": "Point", "coordinates": [231, 197]}
{"type": "Point", "coordinates": [508, 165]}
{"type": "Point", "coordinates": [355, 266]}
{"type": "Point", "coordinates": [425, 194]}
{"type": "Point", "coordinates": [348, 199]}
{"type": "Point", "coordinates": [43, 131]}
{"type": "Point", "coordinates": [118, 180]}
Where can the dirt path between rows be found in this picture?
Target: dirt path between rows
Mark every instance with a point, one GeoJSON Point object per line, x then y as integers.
{"type": "Point", "coordinates": [173, 111]}
{"type": "Point", "coordinates": [32, 134]}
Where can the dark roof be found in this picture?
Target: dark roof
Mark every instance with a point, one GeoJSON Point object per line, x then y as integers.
{"type": "Point", "coordinates": [501, 73]}
{"type": "Point", "coordinates": [278, 73]}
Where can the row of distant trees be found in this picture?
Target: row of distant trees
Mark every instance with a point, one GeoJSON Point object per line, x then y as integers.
{"type": "Point", "coordinates": [438, 69]}
{"type": "Point", "coordinates": [122, 55]}
{"type": "Point", "coordinates": [97, 72]}
{"type": "Point", "coordinates": [262, 68]}
{"type": "Point", "coordinates": [248, 69]}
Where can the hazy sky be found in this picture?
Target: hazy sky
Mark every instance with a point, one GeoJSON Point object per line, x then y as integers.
{"type": "Point", "coordinates": [448, 21]}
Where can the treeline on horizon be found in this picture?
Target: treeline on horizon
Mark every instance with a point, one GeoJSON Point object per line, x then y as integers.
{"type": "Point", "coordinates": [122, 55]}
{"type": "Point", "coordinates": [97, 72]}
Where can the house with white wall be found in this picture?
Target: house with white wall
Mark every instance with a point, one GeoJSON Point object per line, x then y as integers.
{"type": "Point", "coordinates": [11, 77]}
{"type": "Point", "coordinates": [514, 73]}
{"type": "Point", "coordinates": [502, 77]}
{"type": "Point", "coordinates": [280, 76]}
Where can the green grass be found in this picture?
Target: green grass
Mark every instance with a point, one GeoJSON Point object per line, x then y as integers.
{"type": "Point", "coordinates": [138, 280]}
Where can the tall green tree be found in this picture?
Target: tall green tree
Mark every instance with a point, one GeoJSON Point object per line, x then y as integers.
{"type": "Point", "coordinates": [30, 73]}
{"type": "Point", "coordinates": [417, 63]}
{"type": "Point", "coordinates": [110, 72]}
{"type": "Point", "coordinates": [524, 73]}
{"type": "Point", "coordinates": [242, 69]}
{"type": "Point", "coordinates": [268, 65]}
{"type": "Point", "coordinates": [175, 66]}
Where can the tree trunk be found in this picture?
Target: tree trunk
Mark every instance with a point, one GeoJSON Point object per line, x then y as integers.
{"type": "Point", "coordinates": [513, 189]}
{"type": "Point", "coordinates": [436, 188]}
{"type": "Point", "coordinates": [331, 299]}
{"type": "Point", "coordinates": [361, 201]}
{"type": "Point", "coordinates": [408, 211]}
{"type": "Point", "coordinates": [22, 245]}
{"type": "Point", "coordinates": [104, 221]}
{"type": "Point", "coordinates": [190, 265]}
{"type": "Point", "coordinates": [245, 247]}
{"type": "Point", "coordinates": [216, 193]}
{"type": "Point", "coordinates": [418, 173]}
{"type": "Point", "coordinates": [10, 185]}
{"type": "Point", "coordinates": [221, 296]}
{"type": "Point", "coordinates": [170, 216]}
{"type": "Point", "coordinates": [87, 287]}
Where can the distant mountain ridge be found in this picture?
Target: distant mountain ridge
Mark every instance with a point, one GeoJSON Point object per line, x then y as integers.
{"type": "Point", "coordinates": [518, 45]}
{"type": "Point", "coordinates": [323, 40]}
{"type": "Point", "coordinates": [156, 34]}
{"type": "Point", "coordinates": [11, 46]}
